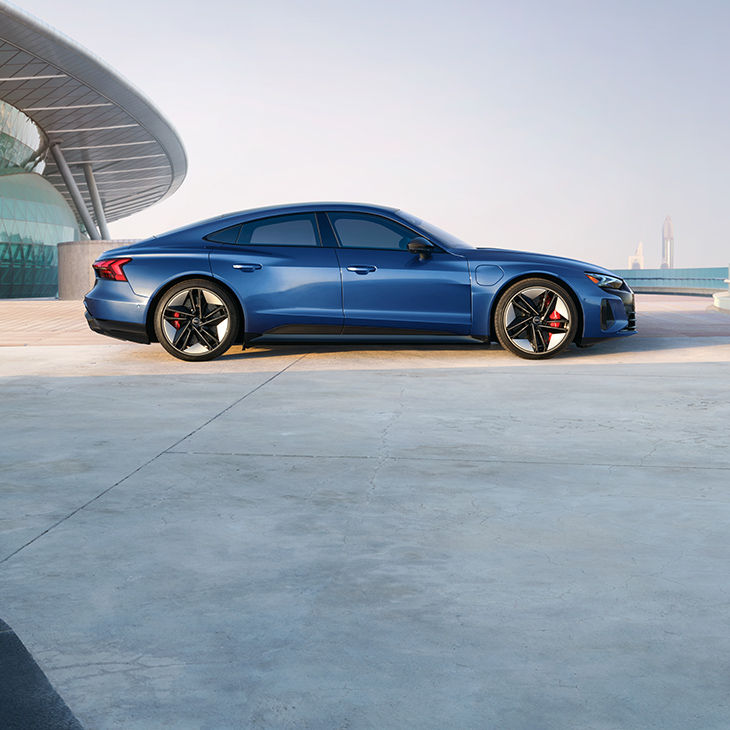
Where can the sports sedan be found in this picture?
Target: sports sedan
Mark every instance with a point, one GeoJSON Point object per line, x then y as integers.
{"type": "Point", "coordinates": [333, 268]}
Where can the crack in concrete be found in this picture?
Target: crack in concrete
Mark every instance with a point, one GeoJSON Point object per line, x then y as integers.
{"type": "Point", "coordinates": [149, 461]}
{"type": "Point", "coordinates": [382, 457]}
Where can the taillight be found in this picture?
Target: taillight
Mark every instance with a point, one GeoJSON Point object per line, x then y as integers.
{"type": "Point", "coordinates": [111, 269]}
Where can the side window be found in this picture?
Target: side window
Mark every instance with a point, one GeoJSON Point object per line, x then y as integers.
{"type": "Point", "coordinates": [361, 230]}
{"type": "Point", "coordinates": [227, 235]}
{"type": "Point", "coordinates": [283, 230]}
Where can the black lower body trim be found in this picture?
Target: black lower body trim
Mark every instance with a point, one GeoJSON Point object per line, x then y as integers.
{"type": "Point", "coordinates": [319, 329]}
{"type": "Point", "coordinates": [120, 330]}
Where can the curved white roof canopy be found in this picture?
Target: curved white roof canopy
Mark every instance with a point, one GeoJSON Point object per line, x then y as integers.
{"type": "Point", "coordinates": [93, 115]}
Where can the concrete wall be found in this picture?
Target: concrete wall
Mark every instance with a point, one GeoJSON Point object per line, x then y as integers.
{"type": "Point", "coordinates": [75, 275]}
{"type": "Point", "coordinates": [676, 281]}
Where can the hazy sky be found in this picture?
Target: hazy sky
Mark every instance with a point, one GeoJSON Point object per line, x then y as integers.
{"type": "Point", "coordinates": [565, 127]}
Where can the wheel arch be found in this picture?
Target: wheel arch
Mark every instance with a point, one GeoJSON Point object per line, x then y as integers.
{"type": "Point", "coordinates": [155, 298]}
{"type": "Point", "coordinates": [535, 275]}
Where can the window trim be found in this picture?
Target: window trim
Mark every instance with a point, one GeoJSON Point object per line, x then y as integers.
{"type": "Point", "coordinates": [312, 215]}
{"type": "Point", "coordinates": [416, 234]}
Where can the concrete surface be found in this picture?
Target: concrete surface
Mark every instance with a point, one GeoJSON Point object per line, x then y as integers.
{"type": "Point", "coordinates": [372, 536]}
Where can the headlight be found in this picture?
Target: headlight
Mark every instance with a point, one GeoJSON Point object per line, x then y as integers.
{"type": "Point", "coordinates": [605, 281]}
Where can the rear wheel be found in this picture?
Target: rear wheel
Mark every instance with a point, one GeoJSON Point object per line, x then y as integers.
{"type": "Point", "coordinates": [535, 319]}
{"type": "Point", "coordinates": [196, 320]}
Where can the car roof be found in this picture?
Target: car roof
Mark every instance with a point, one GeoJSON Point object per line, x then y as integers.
{"type": "Point", "coordinates": [306, 207]}
{"type": "Point", "coordinates": [227, 219]}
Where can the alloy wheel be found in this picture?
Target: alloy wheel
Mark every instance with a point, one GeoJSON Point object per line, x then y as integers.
{"type": "Point", "coordinates": [537, 320]}
{"type": "Point", "coordinates": [195, 321]}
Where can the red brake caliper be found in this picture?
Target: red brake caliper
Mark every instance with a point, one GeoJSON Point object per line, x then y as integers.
{"type": "Point", "coordinates": [176, 323]}
{"type": "Point", "coordinates": [554, 316]}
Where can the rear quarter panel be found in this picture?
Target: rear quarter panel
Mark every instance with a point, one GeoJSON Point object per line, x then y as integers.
{"type": "Point", "coordinates": [151, 268]}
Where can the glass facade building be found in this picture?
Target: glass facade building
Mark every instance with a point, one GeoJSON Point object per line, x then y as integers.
{"type": "Point", "coordinates": [80, 148]}
{"type": "Point", "coordinates": [34, 217]}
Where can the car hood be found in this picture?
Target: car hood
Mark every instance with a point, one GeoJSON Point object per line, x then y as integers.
{"type": "Point", "coordinates": [503, 255]}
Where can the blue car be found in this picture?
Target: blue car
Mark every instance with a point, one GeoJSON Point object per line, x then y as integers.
{"type": "Point", "coordinates": [334, 268]}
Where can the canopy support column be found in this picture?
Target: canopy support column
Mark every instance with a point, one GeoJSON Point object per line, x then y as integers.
{"type": "Point", "coordinates": [96, 201]}
{"type": "Point", "coordinates": [74, 191]}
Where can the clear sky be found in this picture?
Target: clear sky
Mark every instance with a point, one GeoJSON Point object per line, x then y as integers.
{"type": "Point", "coordinates": [568, 127]}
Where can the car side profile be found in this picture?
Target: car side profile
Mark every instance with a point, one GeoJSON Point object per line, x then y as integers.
{"type": "Point", "coordinates": [336, 268]}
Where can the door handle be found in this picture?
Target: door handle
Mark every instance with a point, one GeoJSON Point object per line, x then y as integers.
{"type": "Point", "coordinates": [362, 269]}
{"type": "Point", "coordinates": [247, 267]}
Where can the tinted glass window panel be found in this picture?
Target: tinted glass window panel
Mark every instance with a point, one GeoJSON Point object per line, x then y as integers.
{"type": "Point", "coordinates": [227, 235]}
{"type": "Point", "coordinates": [360, 230]}
{"type": "Point", "coordinates": [284, 230]}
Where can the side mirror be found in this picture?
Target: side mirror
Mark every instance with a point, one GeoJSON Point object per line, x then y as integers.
{"type": "Point", "coordinates": [422, 246]}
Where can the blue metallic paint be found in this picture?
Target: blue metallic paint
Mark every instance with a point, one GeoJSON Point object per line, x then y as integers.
{"type": "Point", "coordinates": [294, 284]}
{"type": "Point", "coordinates": [455, 290]}
{"type": "Point", "coordinates": [406, 292]}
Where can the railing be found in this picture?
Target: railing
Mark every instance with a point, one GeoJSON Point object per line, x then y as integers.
{"type": "Point", "coordinates": [677, 281]}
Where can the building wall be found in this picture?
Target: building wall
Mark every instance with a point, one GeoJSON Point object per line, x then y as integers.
{"type": "Point", "coordinates": [34, 218]}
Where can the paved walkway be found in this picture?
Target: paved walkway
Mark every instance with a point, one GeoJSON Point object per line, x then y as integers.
{"type": "Point", "coordinates": [374, 536]}
{"type": "Point", "coordinates": [671, 329]}
{"type": "Point", "coordinates": [55, 322]}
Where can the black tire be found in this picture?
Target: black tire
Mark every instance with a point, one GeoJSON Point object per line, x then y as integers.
{"type": "Point", "coordinates": [196, 320]}
{"type": "Point", "coordinates": [535, 319]}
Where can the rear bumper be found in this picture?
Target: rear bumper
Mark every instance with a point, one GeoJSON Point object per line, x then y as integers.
{"type": "Point", "coordinates": [120, 330]}
{"type": "Point", "coordinates": [113, 309]}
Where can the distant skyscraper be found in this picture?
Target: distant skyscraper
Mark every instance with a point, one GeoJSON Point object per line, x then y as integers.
{"type": "Point", "coordinates": [637, 260]}
{"type": "Point", "coordinates": [667, 244]}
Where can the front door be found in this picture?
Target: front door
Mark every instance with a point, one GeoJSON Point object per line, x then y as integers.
{"type": "Point", "coordinates": [386, 286]}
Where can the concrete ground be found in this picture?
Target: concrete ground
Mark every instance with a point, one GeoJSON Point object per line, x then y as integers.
{"type": "Point", "coordinates": [368, 535]}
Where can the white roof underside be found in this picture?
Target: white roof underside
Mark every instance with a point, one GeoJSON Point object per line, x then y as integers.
{"type": "Point", "coordinates": [96, 115]}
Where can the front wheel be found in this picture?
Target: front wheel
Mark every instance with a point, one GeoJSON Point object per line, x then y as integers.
{"type": "Point", "coordinates": [196, 320]}
{"type": "Point", "coordinates": [535, 319]}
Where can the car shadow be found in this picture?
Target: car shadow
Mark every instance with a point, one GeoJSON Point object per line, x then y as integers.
{"type": "Point", "coordinates": [276, 346]}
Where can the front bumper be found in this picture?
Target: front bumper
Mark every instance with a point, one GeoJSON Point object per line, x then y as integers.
{"type": "Point", "coordinates": [619, 315]}
{"type": "Point", "coordinates": [607, 312]}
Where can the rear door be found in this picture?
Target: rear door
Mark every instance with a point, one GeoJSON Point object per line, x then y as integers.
{"type": "Point", "coordinates": [281, 272]}
{"type": "Point", "coordinates": [384, 285]}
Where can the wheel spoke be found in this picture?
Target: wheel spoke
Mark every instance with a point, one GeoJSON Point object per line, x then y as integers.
{"type": "Point", "coordinates": [554, 329]}
{"type": "Point", "coordinates": [177, 314]}
{"type": "Point", "coordinates": [539, 341]}
{"type": "Point", "coordinates": [182, 336]}
{"type": "Point", "coordinates": [207, 338]}
{"type": "Point", "coordinates": [550, 301]}
{"type": "Point", "coordinates": [518, 325]}
{"type": "Point", "coordinates": [526, 305]}
{"type": "Point", "coordinates": [215, 315]}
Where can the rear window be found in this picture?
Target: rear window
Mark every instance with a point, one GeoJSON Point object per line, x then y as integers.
{"type": "Point", "coordinates": [227, 235]}
{"type": "Point", "coordinates": [284, 230]}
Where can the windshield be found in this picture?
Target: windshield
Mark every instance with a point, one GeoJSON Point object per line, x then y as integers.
{"type": "Point", "coordinates": [449, 239]}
